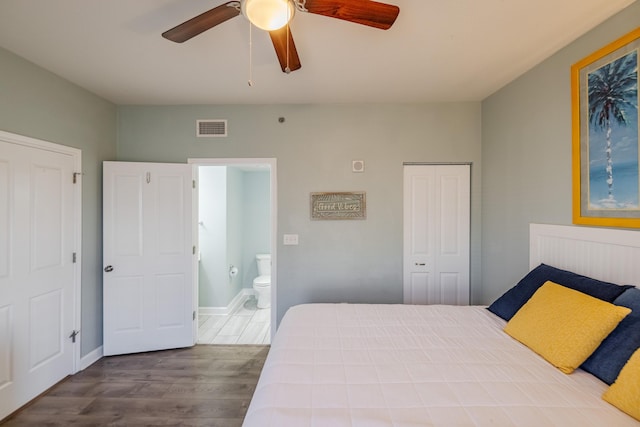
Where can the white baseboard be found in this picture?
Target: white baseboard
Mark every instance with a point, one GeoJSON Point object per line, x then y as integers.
{"type": "Point", "coordinates": [91, 358]}
{"type": "Point", "coordinates": [233, 304]}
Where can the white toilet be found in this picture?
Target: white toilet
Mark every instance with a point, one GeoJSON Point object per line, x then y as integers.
{"type": "Point", "coordinates": [262, 283]}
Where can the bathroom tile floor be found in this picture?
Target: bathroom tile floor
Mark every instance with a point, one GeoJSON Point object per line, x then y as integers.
{"type": "Point", "coordinates": [246, 325]}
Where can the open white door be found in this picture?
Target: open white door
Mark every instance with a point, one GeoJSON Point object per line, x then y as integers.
{"type": "Point", "coordinates": [148, 257]}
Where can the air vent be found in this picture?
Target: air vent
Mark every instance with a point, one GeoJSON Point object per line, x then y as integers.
{"type": "Point", "coordinates": [211, 128]}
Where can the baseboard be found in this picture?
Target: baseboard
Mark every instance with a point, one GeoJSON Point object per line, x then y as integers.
{"type": "Point", "coordinates": [233, 304]}
{"type": "Point", "coordinates": [91, 358]}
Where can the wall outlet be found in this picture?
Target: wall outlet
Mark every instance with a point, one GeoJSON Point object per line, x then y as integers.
{"type": "Point", "coordinates": [290, 239]}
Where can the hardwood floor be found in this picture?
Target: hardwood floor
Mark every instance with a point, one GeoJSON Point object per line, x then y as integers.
{"type": "Point", "coordinates": [206, 385]}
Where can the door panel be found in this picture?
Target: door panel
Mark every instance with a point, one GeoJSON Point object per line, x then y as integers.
{"type": "Point", "coordinates": [127, 211]}
{"type": "Point", "coordinates": [170, 293]}
{"type": "Point", "coordinates": [148, 296]}
{"type": "Point", "coordinates": [449, 215]}
{"type": "Point", "coordinates": [171, 202]}
{"type": "Point", "coordinates": [418, 287]}
{"type": "Point", "coordinates": [6, 350]}
{"type": "Point", "coordinates": [45, 334]}
{"type": "Point", "coordinates": [47, 217]}
{"type": "Point", "coordinates": [128, 291]}
{"type": "Point", "coordinates": [436, 234]}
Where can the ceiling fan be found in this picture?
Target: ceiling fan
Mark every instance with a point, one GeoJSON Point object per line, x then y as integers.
{"type": "Point", "coordinates": [274, 16]}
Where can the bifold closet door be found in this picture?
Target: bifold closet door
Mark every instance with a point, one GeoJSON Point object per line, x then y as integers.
{"type": "Point", "coordinates": [436, 234]}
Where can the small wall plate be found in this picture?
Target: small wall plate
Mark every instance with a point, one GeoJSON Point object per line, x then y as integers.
{"type": "Point", "coordinates": [357, 166]}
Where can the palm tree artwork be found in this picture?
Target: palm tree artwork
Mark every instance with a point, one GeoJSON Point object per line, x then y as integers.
{"type": "Point", "coordinates": [613, 106]}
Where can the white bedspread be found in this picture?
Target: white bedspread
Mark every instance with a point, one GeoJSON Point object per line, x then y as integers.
{"type": "Point", "coordinates": [353, 365]}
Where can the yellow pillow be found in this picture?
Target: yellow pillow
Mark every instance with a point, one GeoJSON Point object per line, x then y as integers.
{"type": "Point", "coordinates": [564, 325]}
{"type": "Point", "coordinates": [624, 393]}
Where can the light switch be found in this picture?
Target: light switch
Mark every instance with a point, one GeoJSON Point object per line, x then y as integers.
{"type": "Point", "coordinates": [290, 239]}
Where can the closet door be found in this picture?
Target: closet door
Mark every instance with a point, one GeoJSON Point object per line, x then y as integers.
{"type": "Point", "coordinates": [436, 234]}
{"type": "Point", "coordinates": [38, 201]}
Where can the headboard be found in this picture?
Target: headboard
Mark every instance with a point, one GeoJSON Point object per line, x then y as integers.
{"type": "Point", "coordinates": [605, 254]}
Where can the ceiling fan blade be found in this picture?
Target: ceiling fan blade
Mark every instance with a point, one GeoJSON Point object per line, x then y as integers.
{"type": "Point", "coordinates": [279, 39]}
{"type": "Point", "coordinates": [203, 22]}
{"type": "Point", "coordinates": [365, 12]}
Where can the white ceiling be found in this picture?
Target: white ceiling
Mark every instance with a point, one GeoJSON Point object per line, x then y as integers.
{"type": "Point", "coordinates": [445, 50]}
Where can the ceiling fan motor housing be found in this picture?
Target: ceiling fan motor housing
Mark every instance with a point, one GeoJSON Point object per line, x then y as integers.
{"type": "Point", "coordinates": [268, 15]}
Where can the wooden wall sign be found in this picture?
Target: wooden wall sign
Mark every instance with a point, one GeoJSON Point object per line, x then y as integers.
{"type": "Point", "coordinates": [341, 205]}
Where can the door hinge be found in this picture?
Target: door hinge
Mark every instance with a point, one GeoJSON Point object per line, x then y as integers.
{"type": "Point", "coordinates": [75, 176]}
{"type": "Point", "coordinates": [193, 183]}
{"type": "Point", "coordinates": [194, 315]}
{"type": "Point", "coordinates": [75, 258]}
{"type": "Point", "coordinates": [73, 335]}
{"type": "Point", "coordinates": [148, 177]}
{"type": "Point", "coordinates": [194, 250]}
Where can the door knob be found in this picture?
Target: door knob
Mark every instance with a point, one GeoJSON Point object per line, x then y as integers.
{"type": "Point", "coordinates": [421, 263]}
{"type": "Point", "coordinates": [108, 269]}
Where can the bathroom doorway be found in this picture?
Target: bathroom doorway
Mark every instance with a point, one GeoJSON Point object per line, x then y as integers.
{"type": "Point", "coordinates": [236, 220]}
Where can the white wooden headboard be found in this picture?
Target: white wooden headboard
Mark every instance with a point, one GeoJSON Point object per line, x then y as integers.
{"type": "Point", "coordinates": [604, 254]}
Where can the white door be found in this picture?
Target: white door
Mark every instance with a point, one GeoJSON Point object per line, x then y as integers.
{"type": "Point", "coordinates": [436, 234]}
{"type": "Point", "coordinates": [38, 207]}
{"type": "Point", "coordinates": [148, 287]}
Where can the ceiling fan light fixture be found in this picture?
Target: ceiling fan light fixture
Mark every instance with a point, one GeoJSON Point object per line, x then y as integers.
{"type": "Point", "coordinates": [268, 15]}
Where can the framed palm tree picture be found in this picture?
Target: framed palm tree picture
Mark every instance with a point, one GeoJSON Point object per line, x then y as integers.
{"type": "Point", "coordinates": [605, 116]}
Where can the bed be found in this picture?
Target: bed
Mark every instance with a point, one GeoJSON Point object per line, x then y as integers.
{"type": "Point", "coordinates": [369, 365]}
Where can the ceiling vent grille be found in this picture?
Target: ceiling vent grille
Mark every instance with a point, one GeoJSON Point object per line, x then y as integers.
{"type": "Point", "coordinates": [211, 128]}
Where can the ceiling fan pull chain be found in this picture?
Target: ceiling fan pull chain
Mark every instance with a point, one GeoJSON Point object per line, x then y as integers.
{"type": "Point", "coordinates": [250, 82]}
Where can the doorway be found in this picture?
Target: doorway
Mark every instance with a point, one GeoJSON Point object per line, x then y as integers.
{"type": "Point", "coordinates": [236, 221]}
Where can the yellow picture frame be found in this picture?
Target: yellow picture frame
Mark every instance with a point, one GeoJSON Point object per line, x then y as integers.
{"type": "Point", "coordinates": [588, 209]}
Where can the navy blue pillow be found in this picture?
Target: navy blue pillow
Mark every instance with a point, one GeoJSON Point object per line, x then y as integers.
{"type": "Point", "coordinates": [511, 301]}
{"type": "Point", "coordinates": [614, 352]}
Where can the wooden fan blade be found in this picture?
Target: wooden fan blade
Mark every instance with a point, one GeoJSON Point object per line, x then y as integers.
{"type": "Point", "coordinates": [202, 22]}
{"type": "Point", "coordinates": [279, 39]}
{"type": "Point", "coordinates": [365, 12]}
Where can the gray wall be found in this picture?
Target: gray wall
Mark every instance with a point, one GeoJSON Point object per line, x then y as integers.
{"type": "Point", "coordinates": [235, 230]}
{"type": "Point", "coordinates": [256, 222]}
{"type": "Point", "coordinates": [351, 261]}
{"type": "Point", "coordinates": [39, 104]}
{"type": "Point", "coordinates": [526, 153]}
{"type": "Point", "coordinates": [212, 233]}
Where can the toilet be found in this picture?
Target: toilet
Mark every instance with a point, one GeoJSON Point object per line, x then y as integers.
{"type": "Point", "coordinates": [262, 283]}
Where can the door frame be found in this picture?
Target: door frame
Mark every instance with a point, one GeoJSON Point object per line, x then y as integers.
{"type": "Point", "coordinates": [272, 163]}
{"type": "Point", "coordinates": [76, 211]}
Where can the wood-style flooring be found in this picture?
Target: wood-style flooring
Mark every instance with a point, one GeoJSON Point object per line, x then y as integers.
{"type": "Point", "coordinates": [206, 385]}
{"type": "Point", "coordinates": [247, 324]}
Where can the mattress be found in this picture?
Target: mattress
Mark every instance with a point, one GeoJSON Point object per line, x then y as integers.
{"type": "Point", "coordinates": [357, 365]}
